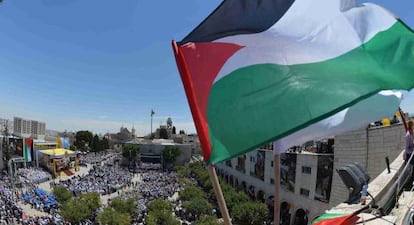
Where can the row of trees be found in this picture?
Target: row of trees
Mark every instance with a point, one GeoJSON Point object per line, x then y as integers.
{"type": "Point", "coordinates": [78, 209]}
{"type": "Point", "coordinates": [85, 140]}
{"type": "Point", "coordinates": [119, 212]}
{"type": "Point", "coordinates": [243, 210]}
{"type": "Point", "coordinates": [160, 212]}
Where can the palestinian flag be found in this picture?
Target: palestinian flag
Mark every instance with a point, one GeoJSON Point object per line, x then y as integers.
{"type": "Point", "coordinates": [27, 149]}
{"type": "Point", "coordinates": [259, 71]}
{"type": "Point", "coordinates": [336, 220]}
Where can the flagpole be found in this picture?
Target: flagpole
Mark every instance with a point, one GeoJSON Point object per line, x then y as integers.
{"type": "Point", "coordinates": [276, 205]}
{"type": "Point", "coordinates": [219, 195]}
{"type": "Point", "coordinates": [152, 114]}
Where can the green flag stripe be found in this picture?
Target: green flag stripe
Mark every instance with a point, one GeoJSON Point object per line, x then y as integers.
{"type": "Point", "coordinates": [299, 95]}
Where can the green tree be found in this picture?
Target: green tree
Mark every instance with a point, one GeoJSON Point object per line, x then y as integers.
{"type": "Point", "coordinates": [169, 154]}
{"type": "Point", "coordinates": [75, 211]}
{"type": "Point", "coordinates": [163, 133]}
{"type": "Point", "coordinates": [182, 132]}
{"type": "Point", "coordinates": [83, 139]}
{"type": "Point", "coordinates": [111, 217]}
{"type": "Point", "coordinates": [95, 143]}
{"type": "Point", "coordinates": [124, 206]}
{"type": "Point", "coordinates": [105, 143]}
{"type": "Point", "coordinates": [158, 205]}
{"type": "Point", "coordinates": [250, 213]}
{"type": "Point", "coordinates": [160, 213]}
{"type": "Point", "coordinates": [161, 218]}
{"type": "Point", "coordinates": [92, 200]}
{"type": "Point", "coordinates": [130, 151]}
{"type": "Point", "coordinates": [182, 171]}
{"type": "Point", "coordinates": [198, 206]}
{"type": "Point", "coordinates": [234, 198]}
{"type": "Point", "coordinates": [62, 194]}
{"type": "Point", "coordinates": [208, 220]}
{"type": "Point", "coordinates": [192, 192]}
{"type": "Point", "coordinates": [6, 144]}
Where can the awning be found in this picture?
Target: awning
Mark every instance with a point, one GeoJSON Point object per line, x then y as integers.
{"type": "Point", "coordinates": [58, 152]}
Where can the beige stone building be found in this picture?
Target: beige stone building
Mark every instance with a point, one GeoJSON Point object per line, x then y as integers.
{"type": "Point", "coordinates": [309, 181]}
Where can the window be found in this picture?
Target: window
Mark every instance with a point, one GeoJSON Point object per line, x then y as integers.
{"type": "Point", "coordinates": [306, 170]}
{"type": "Point", "coordinates": [271, 164]}
{"type": "Point", "coordinates": [272, 181]}
{"type": "Point", "coordinates": [304, 192]}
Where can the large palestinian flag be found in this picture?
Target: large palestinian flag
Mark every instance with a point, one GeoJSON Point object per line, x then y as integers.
{"type": "Point", "coordinates": [259, 71]}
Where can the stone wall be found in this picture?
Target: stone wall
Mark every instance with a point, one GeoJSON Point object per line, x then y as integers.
{"type": "Point", "coordinates": [367, 147]}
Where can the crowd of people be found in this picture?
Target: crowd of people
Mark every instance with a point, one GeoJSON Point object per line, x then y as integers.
{"type": "Point", "coordinates": [103, 180]}
{"type": "Point", "coordinates": [12, 213]}
{"type": "Point", "coordinates": [33, 175]}
{"type": "Point", "coordinates": [103, 177]}
{"type": "Point", "coordinates": [154, 184]}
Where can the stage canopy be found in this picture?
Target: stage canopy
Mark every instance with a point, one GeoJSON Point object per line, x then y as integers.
{"type": "Point", "coordinates": [58, 152]}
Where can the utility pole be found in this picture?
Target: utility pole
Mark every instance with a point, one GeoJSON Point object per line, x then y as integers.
{"type": "Point", "coordinates": [152, 115]}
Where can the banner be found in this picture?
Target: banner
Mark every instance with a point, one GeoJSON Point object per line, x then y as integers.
{"type": "Point", "coordinates": [62, 142]}
{"type": "Point", "coordinates": [27, 149]}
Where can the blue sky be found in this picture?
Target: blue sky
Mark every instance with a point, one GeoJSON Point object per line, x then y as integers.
{"type": "Point", "coordinates": [100, 64]}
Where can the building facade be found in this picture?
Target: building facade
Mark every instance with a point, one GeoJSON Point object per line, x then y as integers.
{"type": "Point", "coordinates": [309, 184]}
{"type": "Point", "coordinates": [29, 128]}
{"type": "Point", "coordinates": [191, 139]}
{"type": "Point", "coordinates": [150, 151]}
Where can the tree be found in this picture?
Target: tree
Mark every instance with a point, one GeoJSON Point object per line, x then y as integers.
{"type": "Point", "coordinates": [198, 206]}
{"type": "Point", "coordinates": [182, 132]}
{"type": "Point", "coordinates": [92, 200]}
{"type": "Point", "coordinates": [169, 154]}
{"type": "Point", "coordinates": [83, 139]}
{"type": "Point", "coordinates": [6, 144]}
{"type": "Point", "coordinates": [173, 130]}
{"type": "Point", "coordinates": [75, 211]}
{"type": "Point", "coordinates": [182, 171]}
{"type": "Point", "coordinates": [250, 213]}
{"type": "Point", "coordinates": [161, 218]}
{"type": "Point", "coordinates": [208, 220]}
{"type": "Point", "coordinates": [111, 217]}
{"type": "Point", "coordinates": [105, 143]}
{"type": "Point", "coordinates": [124, 206]}
{"type": "Point", "coordinates": [95, 143]}
{"type": "Point", "coordinates": [163, 133]}
{"type": "Point", "coordinates": [62, 194]}
{"type": "Point", "coordinates": [130, 151]}
{"type": "Point", "coordinates": [160, 213]}
{"type": "Point", "coordinates": [234, 198]}
{"type": "Point", "coordinates": [192, 192]}
{"type": "Point", "coordinates": [159, 205]}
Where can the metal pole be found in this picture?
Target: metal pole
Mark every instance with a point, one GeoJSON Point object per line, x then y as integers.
{"type": "Point", "coordinates": [276, 205]}
{"type": "Point", "coordinates": [152, 114]}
